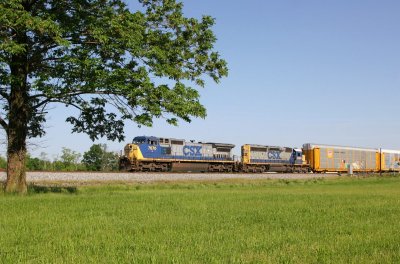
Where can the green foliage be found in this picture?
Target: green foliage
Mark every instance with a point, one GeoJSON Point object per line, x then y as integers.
{"type": "Point", "coordinates": [97, 158]}
{"type": "Point", "coordinates": [331, 221]}
{"type": "Point", "coordinates": [93, 158]}
{"type": "Point", "coordinates": [3, 163]}
{"type": "Point", "coordinates": [68, 161]}
{"type": "Point", "coordinates": [34, 164]}
{"type": "Point", "coordinates": [38, 164]}
{"type": "Point", "coordinates": [93, 54]}
{"type": "Point", "coordinates": [69, 157]}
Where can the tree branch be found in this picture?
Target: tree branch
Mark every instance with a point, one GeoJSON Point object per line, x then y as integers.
{"type": "Point", "coordinates": [44, 103]}
{"type": "Point", "coordinates": [3, 123]}
{"type": "Point", "coordinates": [3, 94]}
{"type": "Point", "coordinates": [58, 97]}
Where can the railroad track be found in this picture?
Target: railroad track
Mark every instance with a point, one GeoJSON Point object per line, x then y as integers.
{"type": "Point", "coordinates": [153, 177]}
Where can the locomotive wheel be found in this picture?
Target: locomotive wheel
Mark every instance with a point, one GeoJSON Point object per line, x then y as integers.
{"type": "Point", "coordinates": [164, 167]}
{"type": "Point", "coordinates": [228, 168]}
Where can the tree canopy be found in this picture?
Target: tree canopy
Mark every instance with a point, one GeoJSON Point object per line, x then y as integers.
{"type": "Point", "coordinates": [110, 63]}
{"type": "Point", "coordinates": [69, 49]}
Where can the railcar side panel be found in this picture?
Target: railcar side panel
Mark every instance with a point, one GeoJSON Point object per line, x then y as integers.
{"type": "Point", "coordinates": [326, 158]}
{"type": "Point", "coordinates": [390, 160]}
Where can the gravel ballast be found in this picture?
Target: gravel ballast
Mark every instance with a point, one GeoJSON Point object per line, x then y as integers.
{"type": "Point", "coordinates": [150, 177]}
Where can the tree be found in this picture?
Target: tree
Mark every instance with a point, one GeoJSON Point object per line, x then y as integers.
{"type": "Point", "coordinates": [45, 161]}
{"type": "Point", "coordinates": [97, 158]}
{"type": "Point", "coordinates": [107, 62]}
{"type": "Point", "coordinates": [37, 164]}
{"type": "Point", "coordinates": [70, 159]}
{"type": "Point", "coordinates": [93, 158]}
{"type": "Point", "coordinates": [33, 164]}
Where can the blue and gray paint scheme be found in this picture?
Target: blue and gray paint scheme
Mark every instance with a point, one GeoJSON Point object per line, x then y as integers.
{"type": "Point", "coordinates": [261, 154]}
{"type": "Point", "coordinates": [178, 149]}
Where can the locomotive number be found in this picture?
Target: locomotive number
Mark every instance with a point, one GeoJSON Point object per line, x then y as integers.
{"type": "Point", "coordinates": [152, 148]}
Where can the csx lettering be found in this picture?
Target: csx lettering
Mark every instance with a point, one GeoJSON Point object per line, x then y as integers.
{"type": "Point", "coordinates": [274, 155]}
{"type": "Point", "coordinates": [191, 150]}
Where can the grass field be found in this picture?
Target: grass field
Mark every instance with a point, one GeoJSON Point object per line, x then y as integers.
{"type": "Point", "coordinates": [342, 220]}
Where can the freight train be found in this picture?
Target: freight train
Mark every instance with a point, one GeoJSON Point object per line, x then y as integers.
{"type": "Point", "coordinates": [151, 154]}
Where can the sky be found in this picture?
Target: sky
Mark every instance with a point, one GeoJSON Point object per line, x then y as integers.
{"type": "Point", "coordinates": [299, 71]}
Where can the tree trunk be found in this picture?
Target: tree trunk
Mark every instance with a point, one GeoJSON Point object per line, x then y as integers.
{"type": "Point", "coordinates": [17, 132]}
{"type": "Point", "coordinates": [16, 170]}
{"type": "Point", "coordinates": [18, 119]}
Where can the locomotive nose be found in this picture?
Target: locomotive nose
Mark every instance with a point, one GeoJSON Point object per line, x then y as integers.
{"type": "Point", "coordinates": [130, 149]}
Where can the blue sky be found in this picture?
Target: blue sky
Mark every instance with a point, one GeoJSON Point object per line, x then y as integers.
{"type": "Point", "coordinates": [300, 71]}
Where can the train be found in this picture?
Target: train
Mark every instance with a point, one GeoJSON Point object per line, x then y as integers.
{"type": "Point", "coordinates": [162, 154]}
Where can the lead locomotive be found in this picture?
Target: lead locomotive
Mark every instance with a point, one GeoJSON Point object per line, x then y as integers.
{"type": "Point", "coordinates": [169, 154]}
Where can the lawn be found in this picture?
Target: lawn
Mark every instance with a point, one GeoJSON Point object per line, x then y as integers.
{"type": "Point", "coordinates": [339, 220]}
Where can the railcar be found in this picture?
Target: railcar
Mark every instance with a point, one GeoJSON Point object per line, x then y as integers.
{"type": "Point", "coordinates": [261, 158]}
{"type": "Point", "coordinates": [330, 158]}
{"type": "Point", "coordinates": [170, 154]}
{"type": "Point", "coordinates": [390, 160]}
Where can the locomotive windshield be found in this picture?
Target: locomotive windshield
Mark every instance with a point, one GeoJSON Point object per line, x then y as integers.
{"type": "Point", "coordinates": [145, 140]}
{"type": "Point", "coordinates": [139, 140]}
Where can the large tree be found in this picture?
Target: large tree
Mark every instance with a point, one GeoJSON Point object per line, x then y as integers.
{"type": "Point", "coordinates": [108, 62]}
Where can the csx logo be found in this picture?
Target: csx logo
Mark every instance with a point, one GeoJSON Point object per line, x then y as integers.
{"type": "Point", "coordinates": [192, 150]}
{"type": "Point", "coordinates": [274, 155]}
{"type": "Point", "coordinates": [152, 148]}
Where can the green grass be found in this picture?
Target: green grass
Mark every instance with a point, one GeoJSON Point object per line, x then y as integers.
{"type": "Point", "coordinates": [343, 220]}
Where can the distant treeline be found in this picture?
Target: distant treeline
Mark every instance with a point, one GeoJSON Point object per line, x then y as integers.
{"type": "Point", "coordinates": [97, 158]}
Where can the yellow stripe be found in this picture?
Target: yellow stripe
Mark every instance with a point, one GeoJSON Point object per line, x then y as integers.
{"type": "Point", "coordinates": [317, 155]}
{"type": "Point", "coordinates": [246, 154]}
{"type": "Point", "coordinates": [380, 160]}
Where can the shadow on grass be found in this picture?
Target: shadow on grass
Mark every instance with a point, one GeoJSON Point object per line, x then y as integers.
{"type": "Point", "coordinates": [52, 189]}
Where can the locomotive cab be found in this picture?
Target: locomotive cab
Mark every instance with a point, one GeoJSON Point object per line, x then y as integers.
{"type": "Point", "coordinates": [133, 151]}
{"type": "Point", "coordinates": [297, 156]}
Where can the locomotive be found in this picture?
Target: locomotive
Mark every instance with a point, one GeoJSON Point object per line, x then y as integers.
{"type": "Point", "coordinates": [152, 154]}
{"type": "Point", "coordinates": [260, 158]}
{"type": "Point", "coordinates": [170, 154]}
